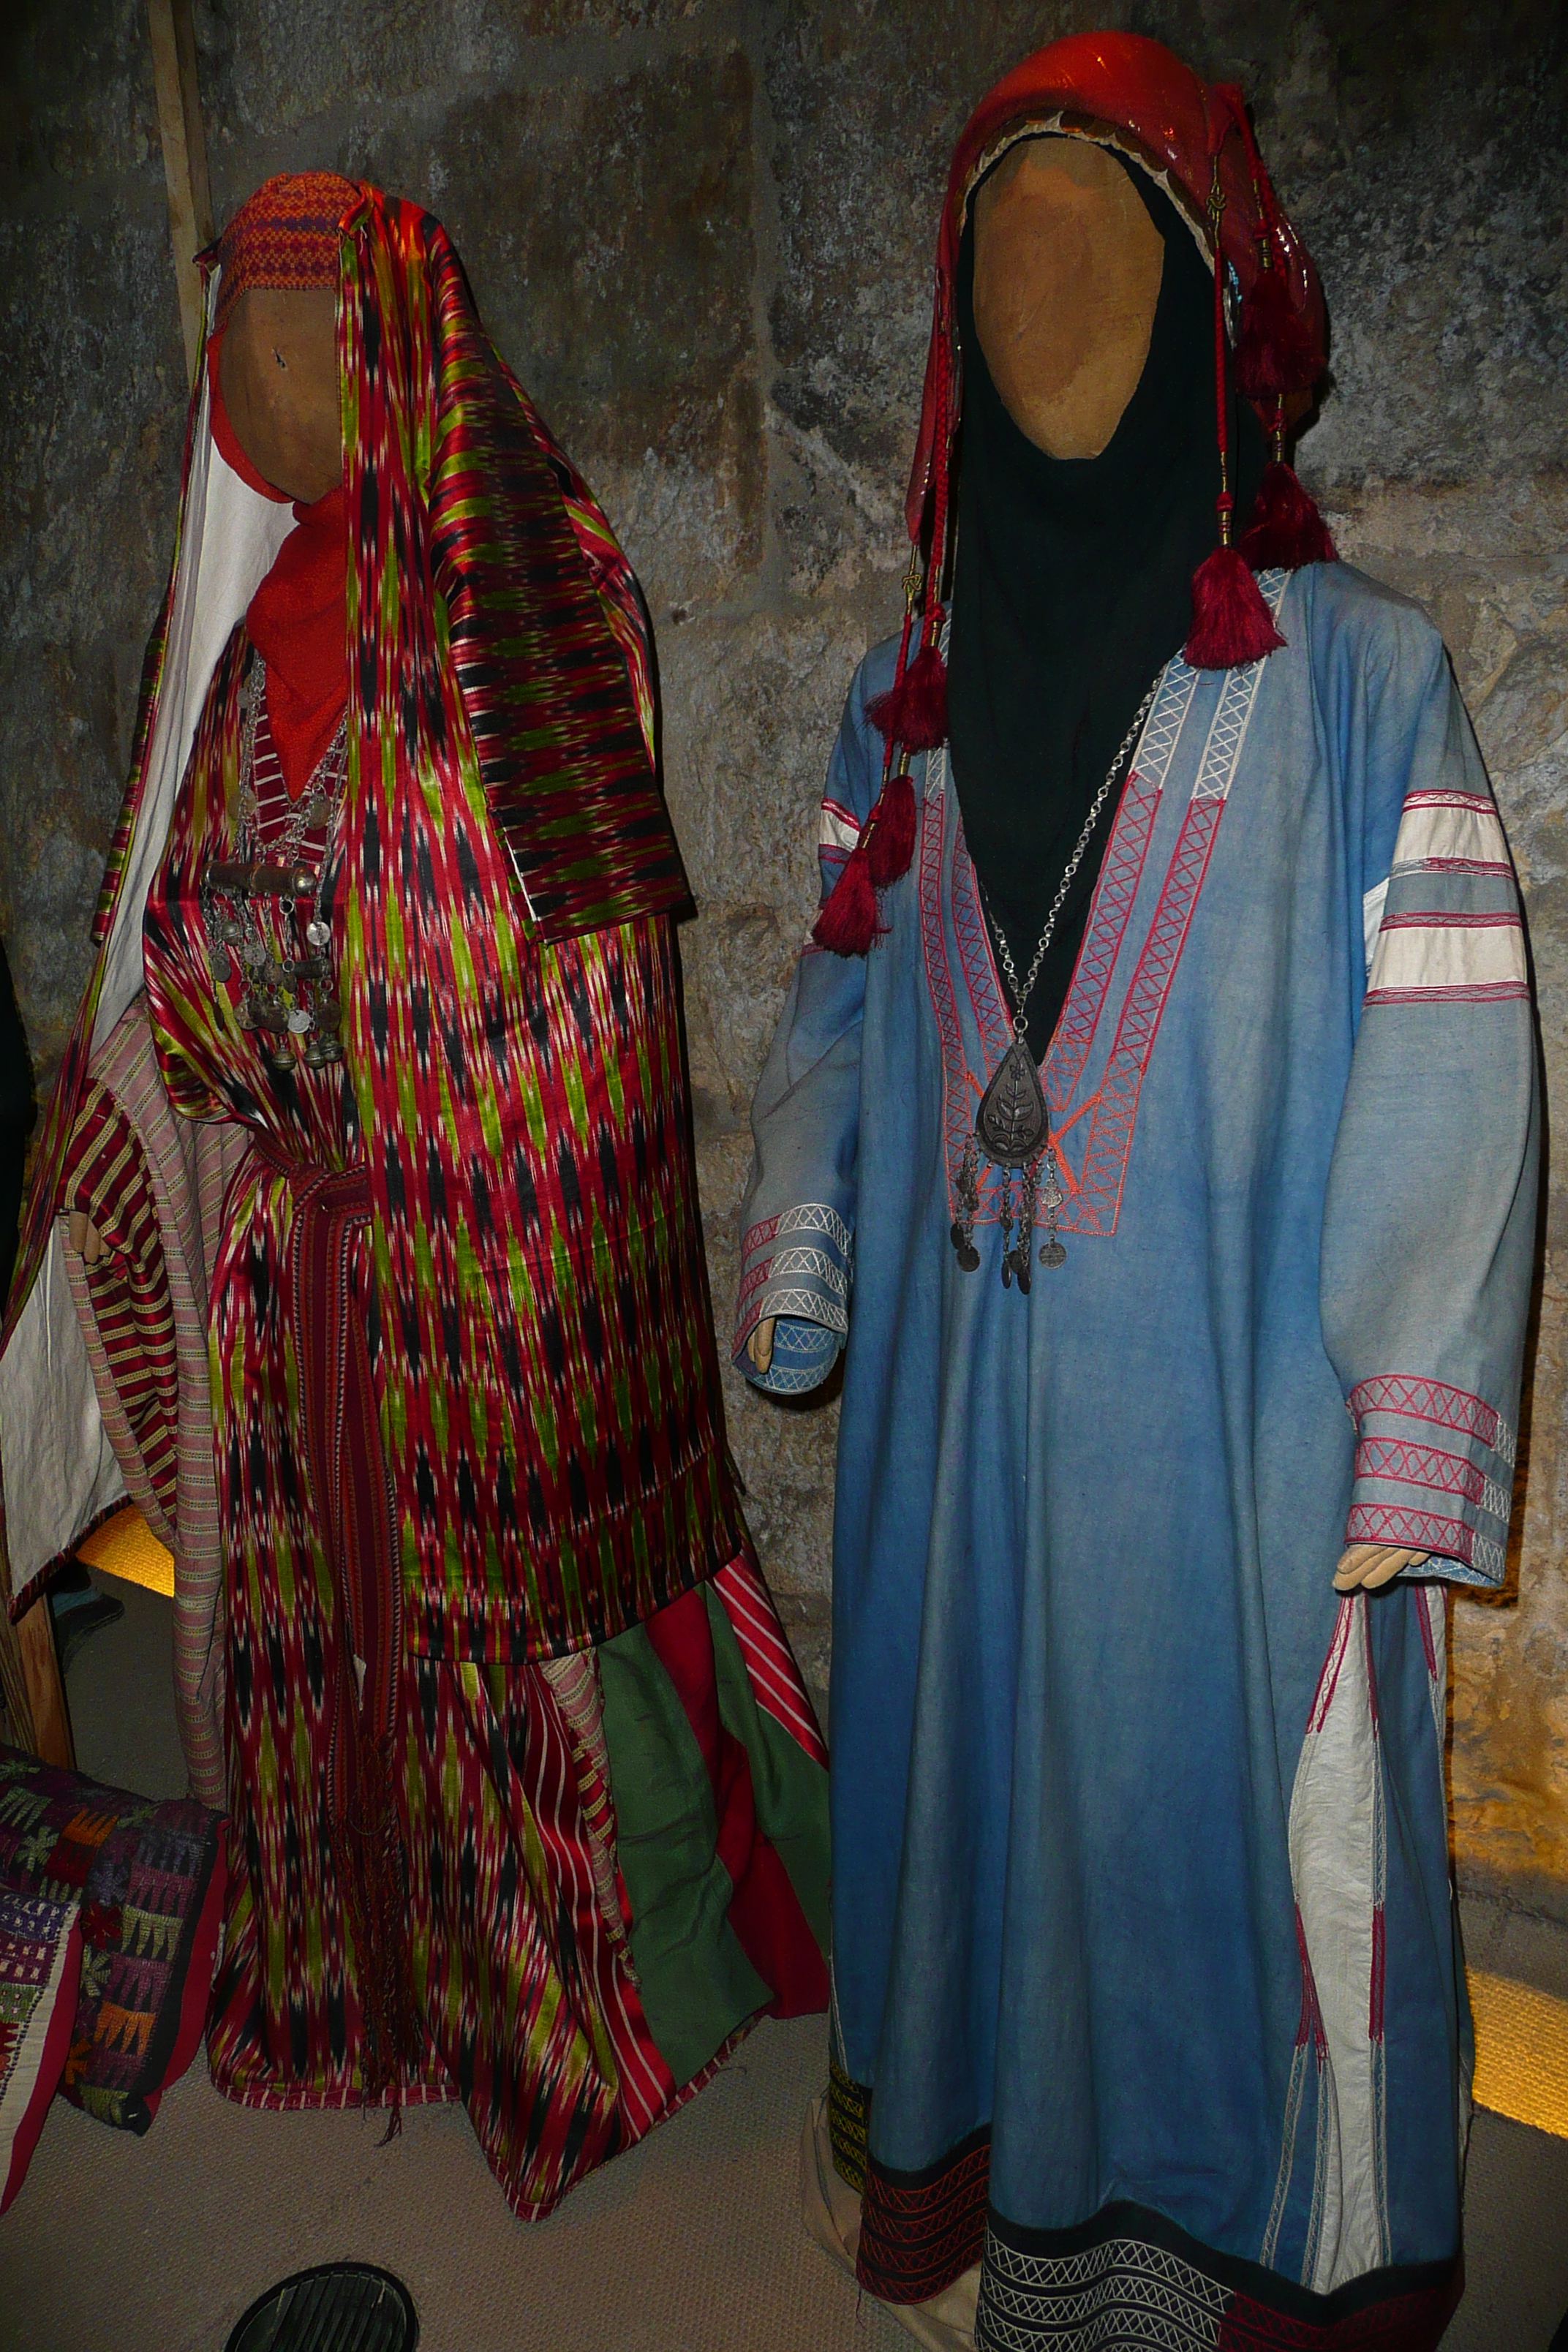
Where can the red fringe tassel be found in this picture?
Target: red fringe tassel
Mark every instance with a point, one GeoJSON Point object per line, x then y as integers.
{"type": "Point", "coordinates": [1231, 623]}
{"type": "Point", "coordinates": [913, 712]}
{"type": "Point", "coordinates": [891, 841]}
{"type": "Point", "coordinates": [847, 924]}
{"type": "Point", "coordinates": [1285, 528]}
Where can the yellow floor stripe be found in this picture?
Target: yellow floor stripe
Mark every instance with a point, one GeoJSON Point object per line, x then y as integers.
{"type": "Point", "coordinates": [1521, 2052]}
{"type": "Point", "coordinates": [125, 1546]}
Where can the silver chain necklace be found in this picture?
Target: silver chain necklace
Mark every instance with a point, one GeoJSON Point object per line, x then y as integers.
{"type": "Point", "coordinates": [1012, 1126]}
{"type": "Point", "coordinates": [1021, 995]}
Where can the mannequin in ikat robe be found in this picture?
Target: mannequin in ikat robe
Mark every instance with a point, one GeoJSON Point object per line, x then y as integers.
{"type": "Point", "coordinates": [363, 1250]}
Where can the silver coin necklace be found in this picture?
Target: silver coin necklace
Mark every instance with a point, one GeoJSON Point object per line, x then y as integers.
{"type": "Point", "coordinates": [1012, 1126]}
{"type": "Point", "coordinates": [290, 999]}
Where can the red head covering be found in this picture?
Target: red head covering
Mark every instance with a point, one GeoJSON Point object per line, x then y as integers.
{"type": "Point", "coordinates": [1123, 91]}
{"type": "Point", "coordinates": [288, 235]}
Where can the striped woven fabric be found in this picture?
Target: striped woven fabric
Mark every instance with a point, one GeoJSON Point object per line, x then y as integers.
{"type": "Point", "coordinates": [178, 1173]}
{"type": "Point", "coordinates": [107, 1179]}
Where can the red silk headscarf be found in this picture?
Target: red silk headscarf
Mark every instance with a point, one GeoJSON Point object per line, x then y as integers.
{"type": "Point", "coordinates": [1125, 91]}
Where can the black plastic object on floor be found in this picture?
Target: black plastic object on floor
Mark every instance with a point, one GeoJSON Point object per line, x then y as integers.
{"type": "Point", "coordinates": [1559, 2341]}
{"type": "Point", "coordinates": [336, 2308]}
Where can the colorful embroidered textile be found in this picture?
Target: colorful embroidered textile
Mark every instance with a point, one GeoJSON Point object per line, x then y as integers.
{"type": "Point", "coordinates": [1140, 1871]}
{"type": "Point", "coordinates": [107, 1179]}
{"type": "Point", "coordinates": [289, 234]}
{"type": "Point", "coordinates": [40, 1954]}
{"type": "Point", "coordinates": [148, 1876]}
{"type": "Point", "coordinates": [553, 1393]}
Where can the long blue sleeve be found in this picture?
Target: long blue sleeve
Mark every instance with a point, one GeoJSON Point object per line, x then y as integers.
{"type": "Point", "coordinates": [798, 1217]}
{"type": "Point", "coordinates": [1430, 1216]}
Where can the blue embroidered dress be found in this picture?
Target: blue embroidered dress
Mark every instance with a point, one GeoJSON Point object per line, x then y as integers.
{"type": "Point", "coordinates": [1144, 1955]}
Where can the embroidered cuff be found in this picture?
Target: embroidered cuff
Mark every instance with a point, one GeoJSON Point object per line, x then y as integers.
{"type": "Point", "coordinates": [795, 1268]}
{"type": "Point", "coordinates": [1434, 1470]}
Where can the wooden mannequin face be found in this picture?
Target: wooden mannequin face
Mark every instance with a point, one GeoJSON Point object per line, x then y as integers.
{"type": "Point", "coordinates": [278, 365]}
{"type": "Point", "coordinates": [1066, 274]}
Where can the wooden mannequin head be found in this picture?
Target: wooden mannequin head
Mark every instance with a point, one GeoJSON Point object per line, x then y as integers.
{"type": "Point", "coordinates": [279, 370]}
{"type": "Point", "coordinates": [1066, 275]}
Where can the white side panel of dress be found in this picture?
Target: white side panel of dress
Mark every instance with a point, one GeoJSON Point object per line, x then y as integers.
{"type": "Point", "coordinates": [1337, 1864]}
{"type": "Point", "coordinates": [55, 1455]}
{"type": "Point", "coordinates": [56, 1459]}
{"type": "Point", "coordinates": [227, 547]}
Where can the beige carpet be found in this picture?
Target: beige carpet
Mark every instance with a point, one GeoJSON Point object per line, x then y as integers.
{"type": "Point", "coordinates": [690, 2243]}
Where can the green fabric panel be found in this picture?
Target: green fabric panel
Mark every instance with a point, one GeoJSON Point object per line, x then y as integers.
{"type": "Point", "coordinates": [698, 1985]}
{"type": "Point", "coordinates": [789, 1787]}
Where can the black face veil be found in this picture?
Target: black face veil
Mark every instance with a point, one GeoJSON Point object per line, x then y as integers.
{"type": "Point", "coordinates": [1072, 588]}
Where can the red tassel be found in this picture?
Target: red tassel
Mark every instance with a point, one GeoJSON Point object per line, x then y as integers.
{"type": "Point", "coordinates": [847, 924]}
{"type": "Point", "coordinates": [914, 712]}
{"type": "Point", "coordinates": [1231, 623]}
{"type": "Point", "coordinates": [891, 843]}
{"type": "Point", "coordinates": [1274, 352]}
{"type": "Point", "coordinates": [1285, 528]}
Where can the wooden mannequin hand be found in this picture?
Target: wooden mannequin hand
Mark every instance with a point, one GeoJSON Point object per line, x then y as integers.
{"type": "Point", "coordinates": [1367, 1566]}
{"type": "Point", "coordinates": [760, 1346]}
{"type": "Point", "coordinates": [84, 1238]}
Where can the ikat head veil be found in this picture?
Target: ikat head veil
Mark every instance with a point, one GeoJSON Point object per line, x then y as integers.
{"type": "Point", "coordinates": [502, 793]}
{"type": "Point", "coordinates": [1195, 141]}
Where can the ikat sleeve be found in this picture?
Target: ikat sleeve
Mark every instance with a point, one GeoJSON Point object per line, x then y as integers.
{"type": "Point", "coordinates": [1430, 1216]}
{"type": "Point", "coordinates": [798, 1217]}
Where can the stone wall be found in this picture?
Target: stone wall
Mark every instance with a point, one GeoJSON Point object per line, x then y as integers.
{"type": "Point", "coordinates": [702, 233]}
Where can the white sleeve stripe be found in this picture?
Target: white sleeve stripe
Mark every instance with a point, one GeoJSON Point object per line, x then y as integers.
{"type": "Point", "coordinates": [1446, 827]}
{"type": "Point", "coordinates": [1372, 919]}
{"type": "Point", "coordinates": [1423, 955]}
{"type": "Point", "coordinates": [839, 829]}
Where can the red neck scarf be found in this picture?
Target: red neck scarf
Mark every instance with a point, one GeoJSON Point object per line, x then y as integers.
{"type": "Point", "coordinates": [297, 620]}
{"type": "Point", "coordinates": [298, 623]}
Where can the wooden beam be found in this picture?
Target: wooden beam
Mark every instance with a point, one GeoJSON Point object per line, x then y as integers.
{"type": "Point", "coordinates": [51, 1725]}
{"type": "Point", "coordinates": [13, 1680]}
{"type": "Point", "coordinates": [174, 43]}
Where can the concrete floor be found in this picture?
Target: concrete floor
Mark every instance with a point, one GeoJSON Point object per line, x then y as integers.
{"type": "Point", "coordinates": [690, 2243]}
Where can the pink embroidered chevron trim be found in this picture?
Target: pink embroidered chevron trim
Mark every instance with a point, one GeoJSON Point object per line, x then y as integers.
{"type": "Point", "coordinates": [1409, 1464]}
{"type": "Point", "coordinates": [1433, 1401]}
{"type": "Point", "coordinates": [1397, 1523]}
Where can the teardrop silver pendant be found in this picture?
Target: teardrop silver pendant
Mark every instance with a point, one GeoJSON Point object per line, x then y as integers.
{"type": "Point", "coordinates": [1011, 1121]}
